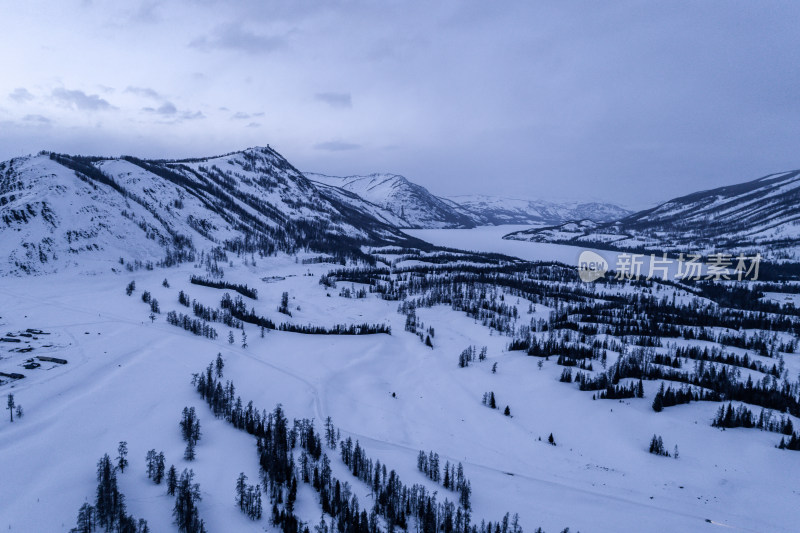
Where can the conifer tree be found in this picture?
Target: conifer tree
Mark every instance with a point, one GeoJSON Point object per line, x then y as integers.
{"type": "Point", "coordinates": [185, 511]}
{"type": "Point", "coordinates": [241, 487]}
{"type": "Point", "coordinates": [172, 480]}
{"type": "Point", "coordinates": [160, 463]}
{"type": "Point", "coordinates": [122, 456]}
{"type": "Point", "coordinates": [86, 519]}
{"type": "Point", "coordinates": [10, 406]}
{"type": "Point", "coordinates": [219, 364]}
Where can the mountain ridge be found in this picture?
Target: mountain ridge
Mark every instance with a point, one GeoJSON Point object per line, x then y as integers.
{"type": "Point", "coordinates": [757, 216]}
{"type": "Point", "coordinates": [418, 208]}
{"type": "Point", "coordinates": [57, 210]}
{"type": "Point", "coordinates": [404, 199]}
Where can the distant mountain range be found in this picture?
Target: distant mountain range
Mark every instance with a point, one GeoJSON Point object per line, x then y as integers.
{"type": "Point", "coordinates": [494, 211]}
{"type": "Point", "coordinates": [413, 206]}
{"type": "Point", "coordinates": [59, 211]}
{"type": "Point", "coordinates": [762, 215]}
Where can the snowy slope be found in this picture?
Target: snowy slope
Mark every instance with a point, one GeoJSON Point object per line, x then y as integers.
{"type": "Point", "coordinates": [128, 379]}
{"type": "Point", "coordinates": [63, 211]}
{"type": "Point", "coordinates": [409, 202]}
{"type": "Point", "coordinates": [761, 215]}
{"type": "Point", "coordinates": [492, 210]}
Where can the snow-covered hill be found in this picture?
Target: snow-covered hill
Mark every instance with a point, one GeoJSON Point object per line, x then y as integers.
{"type": "Point", "coordinates": [413, 205]}
{"type": "Point", "coordinates": [494, 211]}
{"type": "Point", "coordinates": [757, 216]}
{"type": "Point", "coordinates": [59, 211]}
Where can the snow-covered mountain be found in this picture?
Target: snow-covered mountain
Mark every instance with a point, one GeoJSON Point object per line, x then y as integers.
{"type": "Point", "coordinates": [416, 207]}
{"type": "Point", "coordinates": [60, 211]}
{"type": "Point", "coordinates": [411, 204]}
{"type": "Point", "coordinates": [762, 215]}
{"type": "Point", "coordinates": [493, 211]}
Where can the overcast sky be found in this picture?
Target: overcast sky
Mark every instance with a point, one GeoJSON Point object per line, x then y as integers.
{"type": "Point", "coordinates": [629, 102]}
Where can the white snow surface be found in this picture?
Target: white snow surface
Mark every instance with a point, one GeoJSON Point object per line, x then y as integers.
{"type": "Point", "coordinates": [128, 379]}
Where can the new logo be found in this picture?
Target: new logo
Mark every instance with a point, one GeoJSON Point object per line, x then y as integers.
{"type": "Point", "coordinates": [591, 266]}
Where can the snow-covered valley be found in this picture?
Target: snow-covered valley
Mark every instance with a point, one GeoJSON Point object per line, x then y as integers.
{"type": "Point", "coordinates": [128, 378]}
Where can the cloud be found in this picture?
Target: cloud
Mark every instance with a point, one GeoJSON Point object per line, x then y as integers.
{"type": "Point", "coordinates": [145, 92]}
{"type": "Point", "coordinates": [37, 119]}
{"type": "Point", "coordinates": [146, 13]}
{"type": "Point", "coordinates": [167, 108]}
{"type": "Point", "coordinates": [21, 95]}
{"type": "Point", "coordinates": [336, 146]}
{"type": "Point", "coordinates": [254, 125]}
{"type": "Point", "coordinates": [235, 37]}
{"type": "Point", "coordinates": [189, 115]}
{"type": "Point", "coordinates": [80, 100]}
{"type": "Point", "coordinates": [169, 111]}
{"type": "Point", "coordinates": [340, 100]}
{"type": "Point", "coordinates": [241, 115]}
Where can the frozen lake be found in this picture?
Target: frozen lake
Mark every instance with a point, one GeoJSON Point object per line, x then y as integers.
{"type": "Point", "coordinates": [490, 239]}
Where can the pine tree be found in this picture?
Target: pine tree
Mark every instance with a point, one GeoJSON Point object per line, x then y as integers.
{"type": "Point", "coordinates": [231, 340]}
{"type": "Point", "coordinates": [464, 497]}
{"type": "Point", "coordinates": [507, 412]}
{"type": "Point", "coordinates": [241, 487]}
{"type": "Point", "coordinates": [219, 364]}
{"type": "Point", "coordinates": [172, 480]}
{"type": "Point", "coordinates": [284, 307]}
{"type": "Point", "coordinates": [122, 456]}
{"type": "Point", "coordinates": [160, 463]}
{"type": "Point", "coordinates": [658, 401]}
{"type": "Point", "coordinates": [492, 401]}
{"type": "Point", "coordinates": [185, 509]}
{"type": "Point", "coordinates": [10, 406]}
{"type": "Point", "coordinates": [86, 519]}
{"type": "Point", "coordinates": [150, 462]}
{"type": "Point", "coordinates": [189, 453]}
{"type": "Point", "coordinates": [551, 440]}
